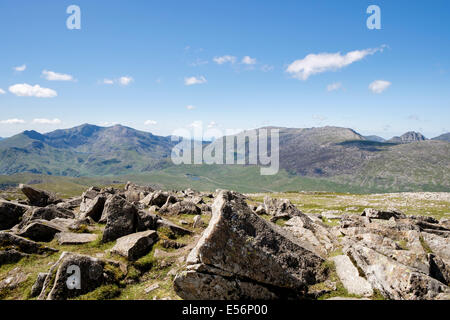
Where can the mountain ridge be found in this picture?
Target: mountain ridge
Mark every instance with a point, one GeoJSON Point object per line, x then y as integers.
{"type": "Point", "coordinates": [333, 153]}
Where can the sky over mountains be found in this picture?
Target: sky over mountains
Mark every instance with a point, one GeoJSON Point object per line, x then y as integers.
{"type": "Point", "coordinates": [160, 66]}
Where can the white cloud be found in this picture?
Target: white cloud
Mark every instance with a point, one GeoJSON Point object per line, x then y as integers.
{"type": "Point", "coordinates": [108, 124]}
{"type": "Point", "coordinates": [47, 121]}
{"type": "Point", "coordinates": [150, 122]}
{"type": "Point", "coordinates": [125, 80]}
{"type": "Point", "coordinates": [12, 121]}
{"type": "Point", "coordinates": [334, 86]}
{"type": "Point", "coordinates": [108, 81]}
{"type": "Point", "coordinates": [2, 91]}
{"type": "Point", "coordinates": [378, 86]}
{"type": "Point", "coordinates": [26, 90]}
{"type": "Point", "coordinates": [212, 124]}
{"type": "Point", "coordinates": [248, 60]}
{"type": "Point", "coordinates": [190, 107]}
{"type": "Point", "coordinates": [53, 76]}
{"type": "Point", "coordinates": [317, 63]}
{"type": "Point", "coordinates": [194, 80]}
{"type": "Point", "coordinates": [20, 68]}
{"type": "Point", "coordinates": [224, 59]}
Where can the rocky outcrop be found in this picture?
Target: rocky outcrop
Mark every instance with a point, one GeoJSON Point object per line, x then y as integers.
{"type": "Point", "coordinates": [37, 197]}
{"type": "Point", "coordinates": [10, 214]}
{"type": "Point", "coordinates": [241, 256]}
{"type": "Point", "coordinates": [135, 245]}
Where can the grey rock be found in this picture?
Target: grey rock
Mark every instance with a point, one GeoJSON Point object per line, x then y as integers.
{"type": "Point", "coordinates": [93, 274]}
{"type": "Point", "coordinates": [393, 279]}
{"type": "Point", "coordinates": [37, 197]}
{"type": "Point", "coordinates": [95, 208]}
{"type": "Point", "coordinates": [350, 278]}
{"type": "Point", "coordinates": [240, 255]}
{"type": "Point", "coordinates": [40, 230]}
{"type": "Point", "coordinates": [382, 214]}
{"type": "Point", "coordinates": [135, 245]}
{"type": "Point", "coordinates": [38, 284]}
{"type": "Point", "coordinates": [70, 238]}
{"type": "Point", "coordinates": [177, 230]}
{"type": "Point", "coordinates": [10, 214]}
{"type": "Point", "coordinates": [197, 221]}
{"type": "Point", "coordinates": [182, 207]}
{"type": "Point", "coordinates": [121, 218]}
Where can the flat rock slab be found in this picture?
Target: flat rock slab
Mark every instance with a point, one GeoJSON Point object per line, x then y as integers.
{"type": "Point", "coordinates": [350, 278]}
{"type": "Point", "coordinates": [135, 245]}
{"type": "Point", "coordinates": [75, 238]}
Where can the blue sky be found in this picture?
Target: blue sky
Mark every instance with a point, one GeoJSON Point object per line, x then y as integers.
{"type": "Point", "coordinates": [149, 49]}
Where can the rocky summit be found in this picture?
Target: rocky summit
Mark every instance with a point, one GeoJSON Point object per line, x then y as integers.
{"type": "Point", "coordinates": [138, 242]}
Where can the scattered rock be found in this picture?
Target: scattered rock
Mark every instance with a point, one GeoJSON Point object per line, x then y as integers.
{"type": "Point", "coordinates": [64, 281]}
{"type": "Point", "coordinates": [70, 238]}
{"type": "Point", "coordinates": [121, 218]}
{"type": "Point", "coordinates": [151, 288]}
{"type": "Point", "coordinates": [182, 207]}
{"type": "Point", "coordinates": [38, 284]}
{"type": "Point", "coordinates": [10, 214]}
{"type": "Point", "coordinates": [40, 230]}
{"type": "Point", "coordinates": [135, 245]}
{"type": "Point", "coordinates": [95, 208]}
{"type": "Point", "coordinates": [197, 222]}
{"type": "Point", "coordinates": [395, 280]}
{"type": "Point", "coordinates": [177, 230]}
{"type": "Point", "coordinates": [37, 197]}
{"type": "Point", "coordinates": [381, 214]}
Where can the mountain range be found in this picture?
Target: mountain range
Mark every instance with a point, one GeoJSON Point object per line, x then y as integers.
{"type": "Point", "coordinates": [329, 154]}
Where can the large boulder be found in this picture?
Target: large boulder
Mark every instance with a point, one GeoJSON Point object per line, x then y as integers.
{"type": "Point", "coordinates": [242, 256]}
{"type": "Point", "coordinates": [39, 198]}
{"type": "Point", "coordinates": [10, 214]}
{"type": "Point", "coordinates": [121, 218]}
{"type": "Point", "coordinates": [135, 245]}
{"type": "Point", "coordinates": [64, 281]}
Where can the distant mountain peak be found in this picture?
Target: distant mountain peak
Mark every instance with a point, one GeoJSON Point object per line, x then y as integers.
{"type": "Point", "coordinates": [408, 137]}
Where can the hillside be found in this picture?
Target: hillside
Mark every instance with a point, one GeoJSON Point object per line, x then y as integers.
{"type": "Point", "coordinates": [86, 150]}
{"type": "Point", "coordinates": [321, 159]}
{"type": "Point", "coordinates": [443, 137]}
